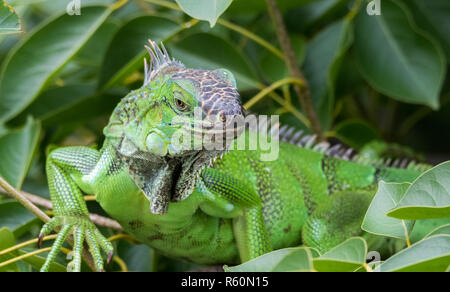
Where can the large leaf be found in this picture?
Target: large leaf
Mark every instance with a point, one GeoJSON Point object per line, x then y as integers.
{"type": "Point", "coordinates": [355, 133]}
{"type": "Point", "coordinates": [346, 257]}
{"type": "Point", "coordinates": [427, 197]}
{"type": "Point", "coordinates": [282, 260]}
{"type": "Point", "coordinates": [318, 11]}
{"type": "Point", "coordinates": [16, 150]}
{"type": "Point", "coordinates": [258, 6]}
{"type": "Point", "coordinates": [126, 51]}
{"type": "Point", "coordinates": [16, 217]}
{"type": "Point", "coordinates": [433, 16]}
{"type": "Point", "coordinates": [31, 65]}
{"type": "Point", "coordinates": [208, 10]}
{"type": "Point", "coordinates": [376, 221]}
{"type": "Point", "coordinates": [444, 229]}
{"type": "Point", "coordinates": [396, 59]}
{"type": "Point", "coordinates": [429, 255]}
{"type": "Point", "coordinates": [38, 261]}
{"type": "Point", "coordinates": [423, 228]}
{"type": "Point", "coordinates": [213, 53]}
{"type": "Point", "coordinates": [9, 21]}
{"type": "Point", "coordinates": [57, 101]}
{"type": "Point", "coordinates": [323, 58]}
{"type": "Point", "coordinates": [273, 68]}
{"type": "Point", "coordinates": [6, 241]}
{"type": "Point", "coordinates": [138, 258]}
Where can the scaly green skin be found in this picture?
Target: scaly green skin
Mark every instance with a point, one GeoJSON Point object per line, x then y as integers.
{"type": "Point", "coordinates": [234, 210]}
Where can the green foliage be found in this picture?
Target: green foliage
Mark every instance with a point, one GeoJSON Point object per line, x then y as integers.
{"type": "Point", "coordinates": [371, 79]}
{"type": "Point", "coordinates": [376, 221]}
{"type": "Point", "coordinates": [427, 197]}
{"type": "Point", "coordinates": [417, 63]}
{"type": "Point", "coordinates": [16, 150]}
{"type": "Point", "coordinates": [209, 10]}
{"type": "Point", "coordinates": [297, 259]}
{"type": "Point", "coordinates": [9, 21]}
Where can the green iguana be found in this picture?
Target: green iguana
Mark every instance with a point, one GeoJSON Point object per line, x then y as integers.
{"type": "Point", "coordinates": [206, 206]}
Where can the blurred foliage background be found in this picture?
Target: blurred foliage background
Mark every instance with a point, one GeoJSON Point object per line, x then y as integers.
{"type": "Point", "coordinates": [380, 77]}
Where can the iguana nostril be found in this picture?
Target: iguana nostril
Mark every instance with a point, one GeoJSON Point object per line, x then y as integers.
{"type": "Point", "coordinates": [223, 117]}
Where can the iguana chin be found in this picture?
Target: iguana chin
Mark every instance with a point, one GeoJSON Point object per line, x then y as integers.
{"type": "Point", "coordinates": [204, 206]}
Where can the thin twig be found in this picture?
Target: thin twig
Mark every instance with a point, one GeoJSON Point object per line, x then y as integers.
{"type": "Point", "coordinates": [294, 68]}
{"type": "Point", "coordinates": [47, 204]}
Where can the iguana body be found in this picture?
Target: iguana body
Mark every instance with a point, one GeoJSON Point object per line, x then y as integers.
{"type": "Point", "coordinates": [205, 206]}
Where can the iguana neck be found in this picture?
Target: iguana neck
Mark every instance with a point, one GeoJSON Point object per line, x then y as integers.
{"type": "Point", "coordinates": [163, 179]}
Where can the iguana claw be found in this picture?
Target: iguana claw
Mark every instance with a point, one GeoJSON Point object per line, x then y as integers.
{"type": "Point", "coordinates": [40, 238]}
{"type": "Point", "coordinates": [110, 256]}
{"type": "Point", "coordinates": [82, 229]}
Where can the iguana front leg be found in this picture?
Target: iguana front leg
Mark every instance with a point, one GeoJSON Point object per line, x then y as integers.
{"type": "Point", "coordinates": [231, 198]}
{"type": "Point", "coordinates": [66, 168]}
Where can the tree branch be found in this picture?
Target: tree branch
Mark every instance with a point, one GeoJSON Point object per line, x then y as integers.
{"type": "Point", "coordinates": [303, 93]}
{"type": "Point", "coordinates": [47, 204]}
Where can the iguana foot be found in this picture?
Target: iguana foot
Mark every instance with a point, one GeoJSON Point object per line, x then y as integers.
{"type": "Point", "coordinates": [82, 229]}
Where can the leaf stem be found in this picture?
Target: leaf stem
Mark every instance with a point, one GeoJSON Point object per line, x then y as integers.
{"type": "Point", "coordinates": [272, 87]}
{"type": "Point", "coordinates": [30, 254]}
{"type": "Point", "coordinates": [252, 36]}
{"type": "Point", "coordinates": [303, 93]}
{"type": "Point", "coordinates": [121, 263]}
{"type": "Point", "coordinates": [26, 243]}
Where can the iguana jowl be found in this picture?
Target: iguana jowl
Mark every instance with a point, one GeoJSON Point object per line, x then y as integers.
{"type": "Point", "coordinates": [204, 206]}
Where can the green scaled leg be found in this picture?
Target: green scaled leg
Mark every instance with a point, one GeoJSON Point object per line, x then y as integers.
{"type": "Point", "coordinates": [241, 203]}
{"type": "Point", "coordinates": [65, 170]}
{"type": "Point", "coordinates": [251, 235]}
{"type": "Point", "coordinates": [336, 219]}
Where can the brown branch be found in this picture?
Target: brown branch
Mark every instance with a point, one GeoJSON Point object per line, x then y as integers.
{"type": "Point", "coordinates": [47, 204]}
{"type": "Point", "coordinates": [303, 93]}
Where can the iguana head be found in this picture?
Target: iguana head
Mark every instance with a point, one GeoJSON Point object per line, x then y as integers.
{"type": "Point", "coordinates": [172, 127]}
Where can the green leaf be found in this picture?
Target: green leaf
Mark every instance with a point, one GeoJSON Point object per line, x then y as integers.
{"type": "Point", "coordinates": [387, 197]}
{"type": "Point", "coordinates": [346, 257]}
{"type": "Point", "coordinates": [258, 6]}
{"type": "Point", "coordinates": [16, 217]}
{"type": "Point", "coordinates": [433, 16]}
{"type": "Point", "coordinates": [6, 241]}
{"type": "Point", "coordinates": [215, 53]}
{"type": "Point", "coordinates": [428, 255]}
{"type": "Point", "coordinates": [355, 133]}
{"type": "Point", "coordinates": [209, 10]}
{"type": "Point", "coordinates": [9, 21]}
{"type": "Point", "coordinates": [37, 261]}
{"type": "Point", "coordinates": [444, 229]}
{"type": "Point", "coordinates": [427, 197]}
{"type": "Point", "coordinates": [422, 228]}
{"type": "Point", "coordinates": [323, 57]}
{"type": "Point", "coordinates": [317, 12]}
{"type": "Point", "coordinates": [396, 59]}
{"type": "Point", "coordinates": [32, 64]}
{"type": "Point", "coordinates": [57, 100]}
{"type": "Point", "coordinates": [139, 258]}
{"type": "Point", "coordinates": [16, 150]}
{"type": "Point", "coordinates": [126, 51]}
{"type": "Point", "coordinates": [273, 68]}
{"type": "Point", "coordinates": [283, 260]}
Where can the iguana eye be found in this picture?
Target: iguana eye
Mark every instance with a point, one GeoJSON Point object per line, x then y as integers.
{"type": "Point", "coordinates": [181, 105]}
